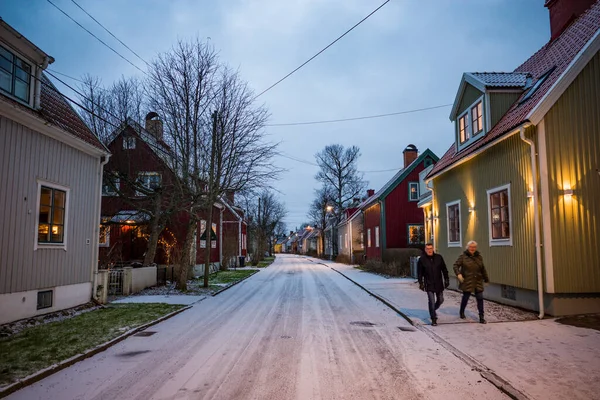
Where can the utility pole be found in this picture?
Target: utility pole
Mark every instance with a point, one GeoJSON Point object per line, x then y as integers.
{"type": "Point", "coordinates": [259, 235]}
{"type": "Point", "coordinates": [211, 188]}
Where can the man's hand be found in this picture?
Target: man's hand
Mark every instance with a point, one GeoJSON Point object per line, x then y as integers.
{"type": "Point", "coordinates": [460, 278]}
{"type": "Point", "coordinates": [446, 284]}
{"type": "Point", "coordinates": [421, 286]}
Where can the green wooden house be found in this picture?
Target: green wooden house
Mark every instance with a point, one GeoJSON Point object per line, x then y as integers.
{"type": "Point", "coordinates": [522, 177]}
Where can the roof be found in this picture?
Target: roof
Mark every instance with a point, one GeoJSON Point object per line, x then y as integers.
{"type": "Point", "coordinates": [501, 79]}
{"type": "Point", "coordinates": [558, 53]}
{"type": "Point", "coordinates": [160, 148]}
{"type": "Point", "coordinates": [397, 179]}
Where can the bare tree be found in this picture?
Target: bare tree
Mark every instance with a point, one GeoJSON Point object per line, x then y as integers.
{"type": "Point", "coordinates": [320, 207]}
{"type": "Point", "coordinates": [339, 173]}
{"type": "Point", "coordinates": [267, 213]}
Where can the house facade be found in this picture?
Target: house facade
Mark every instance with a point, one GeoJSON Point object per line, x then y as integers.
{"type": "Point", "coordinates": [350, 234]}
{"type": "Point", "coordinates": [51, 165]}
{"type": "Point", "coordinates": [392, 219]}
{"type": "Point", "coordinates": [521, 177]}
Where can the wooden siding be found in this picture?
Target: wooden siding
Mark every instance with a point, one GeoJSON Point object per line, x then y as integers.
{"type": "Point", "coordinates": [506, 163]}
{"type": "Point", "coordinates": [372, 219]}
{"type": "Point", "coordinates": [25, 157]}
{"type": "Point", "coordinates": [341, 231]}
{"type": "Point", "coordinates": [469, 96]}
{"type": "Point", "coordinates": [572, 129]}
{"type": "Point", "coordinates": [499, 105]}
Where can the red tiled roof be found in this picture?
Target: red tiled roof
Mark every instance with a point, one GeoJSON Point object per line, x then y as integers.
{"type": "Point", "coordinates": [56, 110]}
{"type": "Point", "coordinates": [560, 53]}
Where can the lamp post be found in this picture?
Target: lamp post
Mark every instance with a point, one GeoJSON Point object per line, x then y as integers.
{"type": "Point", "coordinates": [328, 210]}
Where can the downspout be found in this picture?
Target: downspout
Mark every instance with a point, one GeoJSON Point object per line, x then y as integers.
{"type": "Point", "coordinates": [95, 241]}
{"type": "Point", "coordinates": [221, 237]}
{"type": "Point", "coordinates": [240, 237]}
{"type": "Point", "coordinates": [536, 219]}
{"type": "Point", "coordinates": [38, 83]}
{"type": "Point", "coordinates": [351, 252]}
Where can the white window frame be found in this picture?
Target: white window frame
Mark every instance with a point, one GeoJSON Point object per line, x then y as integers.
{"type": "Point", "coordinates": [472, 137]}
{"type": "Point", "coordinates": [129, 142]}
{"type": "Point", "coordinates": [346, 240]}
{"type": "Point", "coordinates": [51, 246]}
{"type": "Point", "coordinates": [340, 242]}
{"type": "Point", "coordinates": [410, 185]}
{"type": "Point", "coordinates": [213, 243]}
{"type": "Point", "coordinates": [202, 230]}
{"type": "Point", "coordinates": [147, 174]}
{"type": "Point", "coordinates": [500, 242]}
{"type": "Point", "coordinates": [117, 183]}
{"type": "Point", "coordinates": [369, 237]}
{"type": "Point", "coordinates": [376, 236]}
{"type": "Point", "coordinates": [460, 225]}
{"type": "Point", "coordinates": [32, 82]}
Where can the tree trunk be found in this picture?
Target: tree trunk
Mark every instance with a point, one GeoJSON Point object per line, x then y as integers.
{"type": "Point", "coordinates": [155, 230]}
{"type": "Point", "coordinates": [208, 245]}
{"type": "Point", "coordinates": [184, 261]}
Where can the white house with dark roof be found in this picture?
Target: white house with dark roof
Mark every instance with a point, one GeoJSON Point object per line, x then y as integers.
{"type": "Point", "coordinates": [51, 172]}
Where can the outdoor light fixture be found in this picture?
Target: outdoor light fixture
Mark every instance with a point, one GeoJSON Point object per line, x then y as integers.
{"type": "Point", "coordinates": [471, 208]}
{"type": "Point", "coordinates": [530, 194]}
{"type": "Point", "coordinates": [568, 193]}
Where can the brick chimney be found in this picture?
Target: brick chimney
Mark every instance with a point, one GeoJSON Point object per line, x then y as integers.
{"type": "Point", "coordinates": [410, 154]}
{"type": "Point", "coordinates": [370, 192]}
{"type": "Point", "coordinates": [154, 125]}
{"type": "Point", "coordinates": [230, 195]}
{"type": "Point", "coordinates": [563, 12]}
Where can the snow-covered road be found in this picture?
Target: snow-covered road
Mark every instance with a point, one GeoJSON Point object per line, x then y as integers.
{"type": "Point", "coordinates": [295, 330]}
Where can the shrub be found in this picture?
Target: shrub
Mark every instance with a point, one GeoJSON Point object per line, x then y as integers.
{"type": "Point", "coordinates": [343, 258]}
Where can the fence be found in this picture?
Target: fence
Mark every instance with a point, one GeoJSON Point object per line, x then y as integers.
{"type": "Point", "coordinates": [115, 281]}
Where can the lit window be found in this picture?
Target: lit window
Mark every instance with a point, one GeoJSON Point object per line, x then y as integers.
{"type": "Point", "coordinates": [213, 236]}
{"type": "Point", "coordinates": [15, 75]}
{"type": "Point", "coordinates": [128, 142]}
{"type": "Point", "coordinates": [51, 218]}
{"type": "Point", "coordinates": [463, 126]}
{"type": "Point", "coordinates": [148, 182]}
{"type": "Point", "coordinates": [499, 215]}
{"type": "Point", "coordinates": [416, 234]}
{"type": "Point", "coordinates": [368, 238]}
{"type": "Point", "coordinates": [203, 234]}
{"type": "Point", "coordinates": [477, 118]}
{"type": "Point", "coordinates": [413, 191]}
{"type": "Point", "coordinates": [104, 239]}
{"type": "Point", "coordinates": [454, 237]}
{"type": "Point", "coordinates": [376, 236]}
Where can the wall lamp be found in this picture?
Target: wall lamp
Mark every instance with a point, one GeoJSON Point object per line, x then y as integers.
{"type": "Point", "coordinates": [530, 194]}
{"type": "Point", "coordinates": [471, 209]}
{"type": "Point", "coordinates": [568, 193]}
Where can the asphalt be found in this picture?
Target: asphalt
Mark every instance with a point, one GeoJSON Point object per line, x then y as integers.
{"type": "Point", "coordinates": [297, 330]}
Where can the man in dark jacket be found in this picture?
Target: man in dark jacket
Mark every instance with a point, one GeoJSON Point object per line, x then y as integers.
{"type": "Point", "coordinates": [431, 270]}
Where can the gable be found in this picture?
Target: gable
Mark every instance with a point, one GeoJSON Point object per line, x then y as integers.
{"type": "Point", "coordinates": [422, 162]}
{"type": "Point", "coordinates": [469, 96]}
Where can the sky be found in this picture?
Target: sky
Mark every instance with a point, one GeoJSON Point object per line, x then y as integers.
{"type": "Point", "coordinates": [409, 55]}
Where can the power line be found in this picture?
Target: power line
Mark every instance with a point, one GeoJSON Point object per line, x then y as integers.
{"type": "Point", "coordinates": [316, 165]}
{"type": "Point", "coordinates": [65, 75]}
{"type": "Point", "coordinates": [359, 118]}
{"type": "Point", "coordinates": [109, 32]}
{"type": "Point", "coordinates": [96, 37]}
{"type": "Point", "coordinates": [323, 49]}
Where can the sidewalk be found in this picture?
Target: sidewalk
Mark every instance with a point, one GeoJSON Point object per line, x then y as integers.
{"type": "Point", "coordinates": [542, 359]}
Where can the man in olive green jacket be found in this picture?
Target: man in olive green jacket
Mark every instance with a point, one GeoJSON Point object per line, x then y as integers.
{"type": "Point", "coordinates": [471, 275]}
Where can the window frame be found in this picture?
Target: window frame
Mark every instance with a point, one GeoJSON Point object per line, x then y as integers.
{"type": "Point", "coordinates": [129, 145]}
{"type": "Point", "coordinates": [141, 174]}
{"type": "Point", "coordinates": [476, 106]}
{"type": "Point", "coordinates": [107, 232]}
{"type": "Point", "coordinates": [410, 185]}
{"type": "Point", "coordinates": [408, 226]}
{"type": "Point", "coordinates": [448, 205]}
{"type": "Point", "coordinates": [503, 241]}
{"type": "Point", "coordinates": [49, 245]}
{"type": "Point", "coordinates": [116, 182]}
{"type": "Point", "coordinates": [377, 236]}
{"type": "Point", "coordinates": [369, 237]}
{"type": "Point", "coordinates": [472, 136]}
{"type": "Point", "coordinates": [31, 83]}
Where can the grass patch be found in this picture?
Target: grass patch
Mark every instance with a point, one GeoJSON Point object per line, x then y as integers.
{"type": "Point", "coordinates": [41, 346]}
{"type": "Point", "coordinates": [231, 276]}
{"type": "Point", "coordinates": [266, 262]}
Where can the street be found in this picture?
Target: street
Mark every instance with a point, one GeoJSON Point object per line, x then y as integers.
{"type": "Point", "coordinates": [295, 330]}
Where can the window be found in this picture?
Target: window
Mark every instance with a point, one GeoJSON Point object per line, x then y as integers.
{"type": "Point", "coordinates": [463, 127]}
{"type": "Point", "coordinates": [104, 239]}
{"type": "Point", "coordinates": [427, 162]}
{"type": "Point", "coordinates": [128, 142]}
{"type": "Point", "coordinates": [346, 240]}
{"type": "Point", "coordinates": [413, 191]}
{"type": "Point", "coordinates": [368, 238]}
{"type": "Point", "coordinates": [51, 215]}
{"type": "Point", "coordinates": [111, 186]}
{"type": "Point", "coordinates": [376, 236]}
{"type": "Point", "coordinates": [416, 234]}
{"type": "Point", "coordinates": [44, 299]}
{"type": "Point", "coordinates": [477, 117]}
{"type": "Point", "coordinates": [148, 182]}
{"type": "Point", "coordinates": [537, 85]}
{"type": "Point", "coordinates": [340, 241]}
{"type": "Point", "coordinates": [15, 75]}
{"type": "Point", "coordinates": [202, 234]}
{"type": "Point", "coordinates": [454, 237]}
{"type": "Point", "coordinates": [244, 241]}
{"type": "Point", "coordinates": [499, 215]}
{"type": "Point", "coordinates": [213, 236]}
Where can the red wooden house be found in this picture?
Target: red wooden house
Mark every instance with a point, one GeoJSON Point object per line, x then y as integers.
{"type": "Point", "coordinates": [140, 155]}
{"type": "Point", "coordinates": [392, 218]}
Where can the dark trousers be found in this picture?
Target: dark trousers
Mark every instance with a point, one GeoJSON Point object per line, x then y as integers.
{"type": "Point", "coordinates": [434, 303]}
{"type": "Point", "coordinates": [465, 300]}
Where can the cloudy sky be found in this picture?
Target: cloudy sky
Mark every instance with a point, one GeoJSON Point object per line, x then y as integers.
{"type": "Point", "coordinates": [409, 55]}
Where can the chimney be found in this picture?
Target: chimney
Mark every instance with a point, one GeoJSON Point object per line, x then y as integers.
{"type": "Point", "coordinates": [563, 12]}
{"type": "Point", "coordinates": [154, 125]}
{"type": "Point", "coordinates": [230, 195]}
{"type": "Point", "coordinates": [370, 192]}
{"type": "Point", "coordinates": [410, 154]}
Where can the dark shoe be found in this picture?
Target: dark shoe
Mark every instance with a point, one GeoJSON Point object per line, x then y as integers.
{"type": "Point", "coordinates": [482, 320]}
{"type": "Point", "coordinates": [434, 322]}
{"type": "Point", "coordinates": [462, 315]}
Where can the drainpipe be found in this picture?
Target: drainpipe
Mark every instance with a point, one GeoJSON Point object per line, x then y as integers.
{"type": "Point", "coordinates": [239, 239]}
{"type": "Point", "coordinates": [38, 83]}
{"type": "Point", "coordinates": [95, 241]}
{"type": "Point", "coordinates": [221, 237]}
{"type": "Point", "coordinates": [536, 219]}
{"type": "Point", "coordinates": [351, 252]}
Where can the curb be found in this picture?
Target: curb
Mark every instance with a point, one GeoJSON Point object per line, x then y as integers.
{"type": "Point", "coordinates": [38, 376]}
{"type": "Point", "coordinates": [502, 384]}
{"type": "Point", "coordinates": [235, 283]}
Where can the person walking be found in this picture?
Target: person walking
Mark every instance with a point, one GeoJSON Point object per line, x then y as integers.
{"type": "Point", "coordinates": [431, 270]}
{"type": "Point", "coordinates": [471, 274]}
